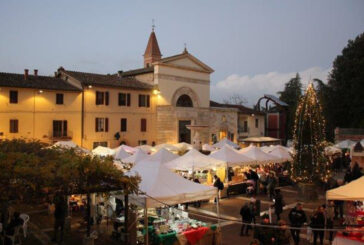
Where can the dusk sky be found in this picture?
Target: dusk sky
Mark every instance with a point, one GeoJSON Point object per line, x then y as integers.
{"type": "Point", "coordinates": [253, 46]}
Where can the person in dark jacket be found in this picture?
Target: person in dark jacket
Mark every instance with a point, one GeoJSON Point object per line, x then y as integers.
{"type": "Point", "coordinates": [246, 217]}
{"type": "Point", "coordinates": [297, 218]}
{"type": "Point", "coordinates": [283, 236]}
{"type": "Point", "coordinates": [278, 203]}
{"type": "Point", "coordinates": [271, 180]}
{"type": "Point", "coordinates": [60, 213]}
{"type": "Point", "coordinates": [318, 222]}
{"type": "Point", "coordinates": [265, 234]}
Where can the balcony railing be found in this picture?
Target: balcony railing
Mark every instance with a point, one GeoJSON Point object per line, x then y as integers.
{"type": "Point", "coordinates": [60, 135]}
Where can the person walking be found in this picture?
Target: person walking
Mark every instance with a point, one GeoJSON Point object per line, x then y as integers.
{"type": "Point", "coordinates": [283, 236]}
{"type": "Point", "coordinates": [265, 234]}
{"type": "Point", "coordinates": [297, 218]}
{"type": "Point", "coordinates": [330, 214]}
{"type": "Point", "coordinates": [271, 180]}
{"type": "Point", "coordinates": [318, 222]}
{"type": "Point", "coordinates": [246, 218]}
{"type": "Point", "coordinates": [278, 203]}
{"type": "Point", "coordinates": [60, 213]}
{"type": "Point", "coordinates": [219, 185]}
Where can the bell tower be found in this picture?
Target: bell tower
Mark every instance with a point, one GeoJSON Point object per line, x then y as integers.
{"type": "Point", "coordinates": [152, 52]}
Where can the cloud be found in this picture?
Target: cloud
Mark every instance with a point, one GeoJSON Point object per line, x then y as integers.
{"type": "Point", "coordinates": [252, 88]}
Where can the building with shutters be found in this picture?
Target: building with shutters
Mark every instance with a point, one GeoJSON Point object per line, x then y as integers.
{"type": "Point", "coordinates": [150, 105]}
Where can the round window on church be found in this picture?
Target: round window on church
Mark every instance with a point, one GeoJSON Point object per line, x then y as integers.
{"type": "Point", "coordinates": [184, 101]}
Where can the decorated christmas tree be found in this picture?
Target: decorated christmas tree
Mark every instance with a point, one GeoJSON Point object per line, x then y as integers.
{"type": "Point", "coordinates": [310, 165]}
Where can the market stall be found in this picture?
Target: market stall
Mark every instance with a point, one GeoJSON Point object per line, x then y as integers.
{"type": "Point", "coordinates": [146, 148]}
{"type": "Point", "coordinates": [138, 156]}
{"type": "Point", "coordinates": [161, 156]}
{"type": "Point", "coordinates": [120, 154]}
{"type": "Point", "coordinates": [169, 147]}
{"type": "Point", "coordinates": [225, 141]}
{"type": "Point", "coordinates": [198, 166]}
{"type": "Point", "coordinates": [236, 182]}
{"type": "Point", "coordinates": [70, 145]}
{"type": "Point", "coordinates": [351, 192]}
{"type": "Point", "coordinates": [160, 188]}
{"type": "Point", "coordinates": [128, 149]}
{"type": "Point", "coordinates": [103, 151]}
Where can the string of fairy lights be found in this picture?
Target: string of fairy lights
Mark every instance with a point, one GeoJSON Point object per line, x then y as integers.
{"type": "Point", "coordinates": [309, 161]}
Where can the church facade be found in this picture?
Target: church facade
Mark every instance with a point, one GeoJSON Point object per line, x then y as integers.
{"type": "Point", "coordinates": [151, 105]}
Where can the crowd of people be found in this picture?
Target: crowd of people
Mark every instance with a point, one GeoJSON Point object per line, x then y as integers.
{"type": "Point", "coordinates": [282, 232]}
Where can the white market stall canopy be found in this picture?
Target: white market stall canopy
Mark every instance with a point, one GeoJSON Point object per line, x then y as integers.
{"type": "Point", "coordinates": [345, 144]}
{"type": "Point", "coordinates": [103, 151]}
{"type": "Point", "coordinates": [138, 156]}
{"type": "Point", "coordinates": [282, 153]}
{"type": "Point", "coordinates": [120, 154]}
{"type": "Point", "coordinates": [128, 149]}
{"type": "Point", "coordinates": [207, 147]}
{"type": "Point", "coordinates": [267, 149]}
{"type": "Point", "coordinates": [225, 141]}
{"type": "Point", "coordinates": [352, 191]}
{"type": "Point", "coordinates": [161, 186]}
{"type": "Point", "coordinates": [231, 156]}
{"type": "Point", "coordinates": [162, 156]}
{"type": "Point", "coordinates": [169, 147]}
{"type": "Point", "coordinates": [332, 150]}
{"type": "Point", "coordinates": [194, 160]}
{"type": "Point", "coordinates": [259, 156]}
{"type": "Point", "coordinates": [70, 145]}
{"type": "Point", "coordinates": [183, 146]}
{"type": "Point", "coordinates": [146, 148]}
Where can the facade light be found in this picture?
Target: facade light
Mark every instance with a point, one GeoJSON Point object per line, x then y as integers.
{"type": "Point", "coordinates": [89, 86]}
{"type": "Point", "coordinates": [40, 91]}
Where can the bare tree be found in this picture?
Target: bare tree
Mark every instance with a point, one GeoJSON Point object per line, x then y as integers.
{"type": "Point", "coordinates": [235, 99]}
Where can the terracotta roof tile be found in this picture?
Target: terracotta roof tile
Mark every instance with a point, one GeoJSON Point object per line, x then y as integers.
{"type": "Point", "coordinates": [35, 82]}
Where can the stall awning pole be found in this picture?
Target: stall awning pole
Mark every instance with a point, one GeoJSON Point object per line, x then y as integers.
{"type": "Point", "coordinates": [146, 236]}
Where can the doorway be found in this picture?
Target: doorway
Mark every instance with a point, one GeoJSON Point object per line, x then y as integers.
{"type": "Point", "coordinates": [184, 134]}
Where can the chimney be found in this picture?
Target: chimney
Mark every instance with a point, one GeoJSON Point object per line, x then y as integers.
{"type": "Point", "coordinates": [26, 74]}
{"type": "Point", "coordinates": [35, 72]}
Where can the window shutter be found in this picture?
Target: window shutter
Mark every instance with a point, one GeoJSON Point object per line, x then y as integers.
{"type": "Point", "coordinates": [97, 98]}
{"type": "Point", "coordinates": [16, 126]}
{"type": "Point", "coordinates": [106, 124]}
{"type": "Point", "coordinates": [128, 99]}
{"type": "Point", "coordinates": [143, 125]}
{"type": "Point", "coordinates": [106, 98]}
{"type": "Point", "coordinates": [96, 125]}
{"type": "Point", "coordinates": [140, 100]}
{"type": "Point", "coordinates": [148, 100]}
{"type": "Point", "coordinates": [64, 128]}
{"type": "Point", "coordinates": [119, 98]}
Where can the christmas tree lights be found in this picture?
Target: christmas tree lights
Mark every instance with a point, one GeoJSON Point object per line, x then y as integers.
{"type": "Point", "coordinates": [309, 165]}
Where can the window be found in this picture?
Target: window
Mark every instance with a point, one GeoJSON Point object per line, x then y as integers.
{"type": "Point", "coordinates": [214, 138]}
{"type": "Point", "coordinates": [231, 136]}
{"type": "Point", "coordinates": [144, 100]}
{"type": "Point", "coordinates": [245, 126]}
{"type": "Point", "coordinates": [14, 126]}
{"type": "Point", "coordinates": [59, 99]}
{"type": "Point", "coordinates": [143, 125]}
{"type": "Point", "coordinates": [96, 144]}
{"type": "Point", "coordinates": [102, 98]}
{"type": "Point", "coordinates": [101, 124]}
{"type": "Point", "coordinates": [184, 101]}
{"type": "Point", "coordinates": [142, 142]}
{"type": "Point", "coordinates": [123, 125]}
{"type": "Point", "coordinates": [13, 96]}
{"type": "Point", "coordinates": [59, 128]}
{"type": "Point", "coordinates": [256, 122]}
{"type": "Point", "coordinates": [124, 99]}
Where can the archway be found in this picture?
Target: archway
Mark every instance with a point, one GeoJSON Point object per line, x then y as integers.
{"type": "Point", "coordinates": [184, 101]}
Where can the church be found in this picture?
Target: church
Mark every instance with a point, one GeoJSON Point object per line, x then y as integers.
{"type": "Point", "coordinates": [151, 105]}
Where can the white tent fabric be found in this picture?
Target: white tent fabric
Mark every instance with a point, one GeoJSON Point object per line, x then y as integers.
{"type": "Point", "coordinates": [128, 149]}
{"type": "Point", "coordinates": [258, 155]}
{"type": "Point", "coordinates": [183, 146]}
{"type": "Point", "coordinates": [161, 186]}
{"type": "Point", "coordinates": [169, 147]}
{"type": "Point", "coordinates": [103, 151]}
{"type": "Point", "coordinates": [120, 154]}
{"type": "Point", "coordinates": [267, 149]}
{"type": "Point", "coordinates": [69, 145]}
{"type": "Point", "coordinates": [345, 144]}
{"type": "Point", "coordinates": [162, 156]}
{"type": "Point", "coordinates": [146, 148]}
{"type": "Point", "coordinates": [331, 150]}
{"type": "Point", "coordinates": [352, 191]}
{"type": "Point", "coordinates": [362, 142]}
{"type": "Point", "coordinates": [194, 160]}
{"type": "Point", "coordinates": [282, 153]}
{"type": "Point", "coordinates": [138, 156]}
{"type": "Point", "coordinates": [246, 148]}
{"type": "Point", "coordinates": [231, 156]}
{"type": "Point", "coordinates": [225, 141]}
{"type": "Point", "coordinates": [207, 147]}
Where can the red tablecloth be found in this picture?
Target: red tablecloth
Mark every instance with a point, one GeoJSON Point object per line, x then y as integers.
{"type": "Point", "coordinates": [194, 235]}
{"type": "Point", "coordinates": [347, 240]}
